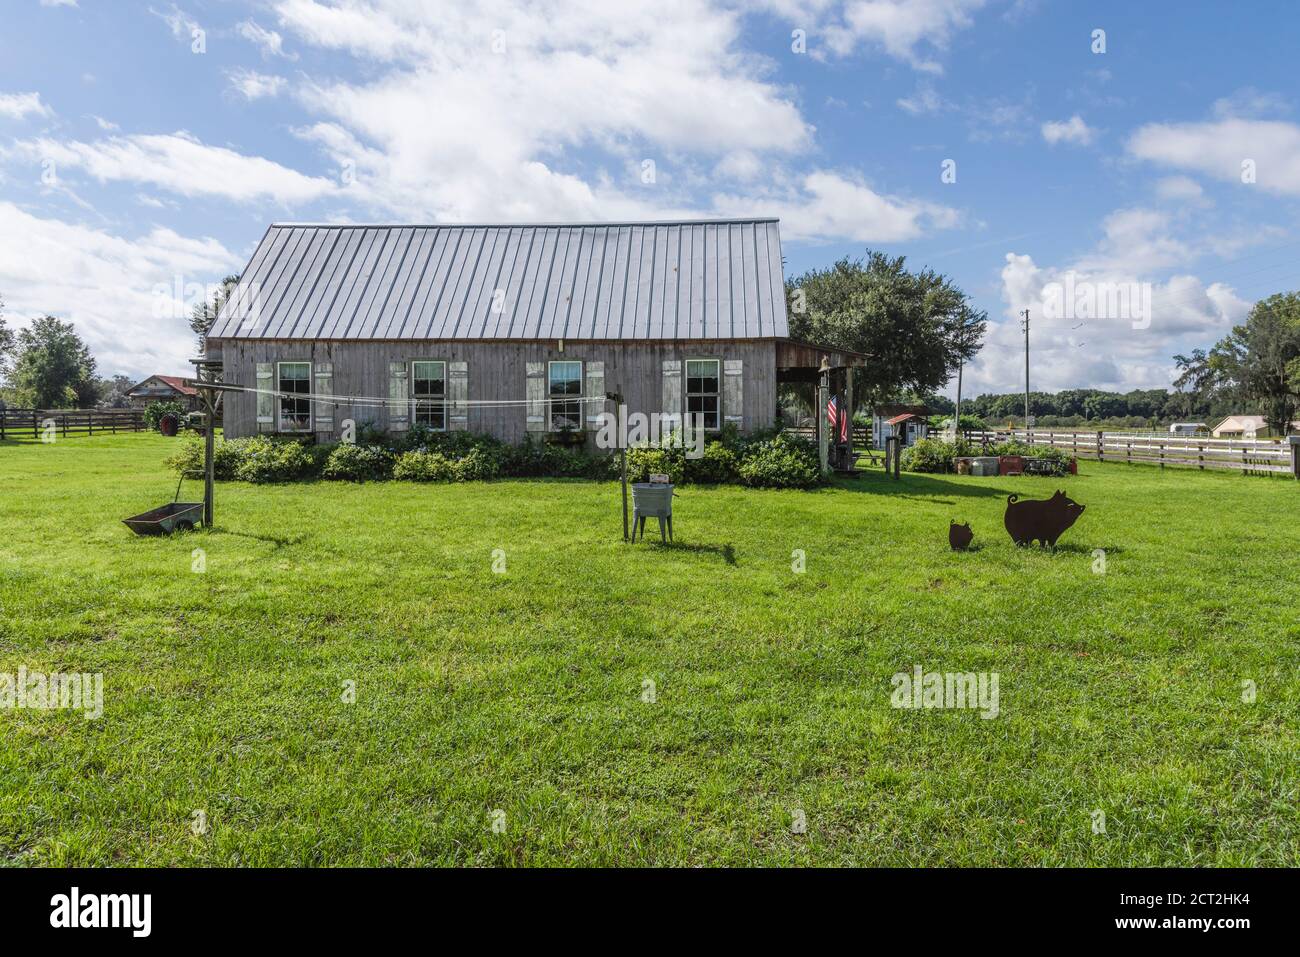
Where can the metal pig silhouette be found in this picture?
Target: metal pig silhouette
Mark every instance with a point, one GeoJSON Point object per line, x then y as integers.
{"type": "Point", "coordinates": [959, 536]}
{"type": "Point", "coordinates": [1041, 521]}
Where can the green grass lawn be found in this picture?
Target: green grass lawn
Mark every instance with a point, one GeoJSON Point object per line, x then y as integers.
{"type": "Point", "coordinates": [523, 692]}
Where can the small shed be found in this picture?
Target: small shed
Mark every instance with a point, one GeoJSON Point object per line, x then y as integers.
{"type": "Point", "coordinates": [908, 422]}
{"type": "Point", "coordinates": [163, 388]}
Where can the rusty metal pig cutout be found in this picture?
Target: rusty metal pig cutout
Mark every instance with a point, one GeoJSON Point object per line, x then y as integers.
{"type": "Point", "coordinates": [1040, 521]}
{"type": "Point", "coordinates": [959, 536]}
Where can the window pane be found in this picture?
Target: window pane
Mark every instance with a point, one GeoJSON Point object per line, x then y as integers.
{"type": "Point", "coordinates": [295, 413]}
{"type": "Point", "coordinates": [428, 390]}
{"type": "Point", "coordinates": [705, 405]}
{"type": "Point", "coordinates": [564, 380]}
{"type": "Point", "coordinates": [702, 375]}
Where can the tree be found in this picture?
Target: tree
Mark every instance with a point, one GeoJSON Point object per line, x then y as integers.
{"type": "Point", "coordinates": [7, 343]}
{"type": "Point", "coordinates": [54, 368]}
{"type": "Point", "coordinates": [915, 327]}
{"type": "Point", "coordinates": [1261, 359]}
{"type": "Point", "coordinates": [112, 392]}
{"type": "Point", "coordinates": [205, 314]}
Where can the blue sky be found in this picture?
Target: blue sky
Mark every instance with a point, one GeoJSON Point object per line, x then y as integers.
{"type": "Point", "coordinates": [144, 148]}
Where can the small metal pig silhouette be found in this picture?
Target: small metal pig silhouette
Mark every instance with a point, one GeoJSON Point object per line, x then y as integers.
{"type": "Point", "coordinates": [959, 536]}
{"type": "Point", "coordinates": [1040, 521]}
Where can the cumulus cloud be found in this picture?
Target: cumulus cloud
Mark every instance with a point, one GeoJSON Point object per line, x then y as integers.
{"type": "Point", "coordinates": [18, 105]}
{"type": "Point", "coordinates": [1074, 130]}
{"type": "Point", "coordinates": [180, 163]}
{"type": "Point", "coordinates": [1233, 150]}
{"type": "Point", "coordinates": [108, 286]}
{"type": "Point", "coordinates": [1103, 320]}
{"type": "Point", "coordinates": [824, 203]}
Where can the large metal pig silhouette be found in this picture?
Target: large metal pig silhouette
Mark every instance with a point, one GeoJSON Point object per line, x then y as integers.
{"type": "Point", "coordinates": [1040, 521]}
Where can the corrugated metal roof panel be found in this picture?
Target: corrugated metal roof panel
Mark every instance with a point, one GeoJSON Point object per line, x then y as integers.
{"type": "Point", "coordinates": [719, 279]}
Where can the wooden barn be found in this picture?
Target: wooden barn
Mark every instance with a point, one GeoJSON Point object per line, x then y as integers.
{"type": "Point", "coordinates": [511, 330]}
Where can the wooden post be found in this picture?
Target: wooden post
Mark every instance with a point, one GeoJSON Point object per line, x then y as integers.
{"type": "Point", "coordinates": [1295, 455]}
{"type": "Point", "coordinates": [819, 416]}
{"type": "Point", "coordinates": [209, 443]}
{"type": "Point", "coordinates": [1101, 450]}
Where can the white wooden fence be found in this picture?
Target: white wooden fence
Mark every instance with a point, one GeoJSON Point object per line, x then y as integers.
{"type": "Point", "coordinates": [1249, 456]}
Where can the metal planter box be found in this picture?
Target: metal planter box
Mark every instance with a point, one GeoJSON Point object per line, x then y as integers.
{"type": "Point", "coordinates": [984, 465]}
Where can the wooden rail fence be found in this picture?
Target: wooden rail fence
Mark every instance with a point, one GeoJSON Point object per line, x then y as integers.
{"type": "Point", "coordinates": [1249, 456]}
{"type": "Point", "coordinates": [69, 421]}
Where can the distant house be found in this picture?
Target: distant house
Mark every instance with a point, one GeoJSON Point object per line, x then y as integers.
{"type": "Point", "coordinates": [518, 331]}
{"type": "Point", "coordinates": [909, 422]}
{"type": "Point", "coordinates": [163, 388]}
{"type": "Point", "coordinates": [1246, 427]}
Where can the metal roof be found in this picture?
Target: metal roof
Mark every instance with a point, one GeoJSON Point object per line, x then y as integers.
{"type": "Point", "coordinates": [717, 279]}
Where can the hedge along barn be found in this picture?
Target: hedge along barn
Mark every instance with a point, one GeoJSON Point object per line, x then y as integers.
{"type": "Point", "coordinates": [510, 330]}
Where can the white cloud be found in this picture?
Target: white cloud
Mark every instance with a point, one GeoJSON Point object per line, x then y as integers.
{"type": "Point", "coordinates": [106, 286]}
{"type": "Point", "coordinates": [924, 100]}
{"type": "Point", "coordinates": [1221, 148]}
{"type": "Point", "coordinates": [253, 85]}
{"type": "Point", "coordinates": [106, 125]}
{"type": "Point", "coordinates": [58, 3]}
{"type": "Point", "coordinates": [269, 41]}
{"type": "Point", "coordinates": [18, 105]}
{"type": "Point", "coordinates": [912, 31]}
{"type": "Point", "coordinates": [180, 163]}
{"type": "Point", "coordinates": [1182, 188]}
{"type": "Point", "coordinates": [826, 204]}
{"type": "Point", "coordinates": [1091, 346]}
{"type": "Point", "coordinates": [578, 95]}
{"type": "Point", "coordinates": [1250, 103]}
{"type": "Point", "coordinates": [181, 24]}
{"type": "Point", "coordinates": [1073, 130]}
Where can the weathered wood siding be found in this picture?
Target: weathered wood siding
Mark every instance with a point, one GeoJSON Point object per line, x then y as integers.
{"type": "Point", "coordinates": [496, 370]}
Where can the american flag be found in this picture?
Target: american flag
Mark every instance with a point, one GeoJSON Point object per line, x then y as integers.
{"type": "Point", "coordinates": [839, 421]}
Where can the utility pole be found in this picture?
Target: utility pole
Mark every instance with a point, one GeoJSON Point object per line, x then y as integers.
{"type": "Point", "coordinates": [956, 415]}
{"type": "Point", "coordinates": [1026, 325]}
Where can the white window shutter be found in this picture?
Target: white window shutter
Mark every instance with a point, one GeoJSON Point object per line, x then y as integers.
{"type": "Point", "coordinates": [324, 387]}
{"type": "Point", "coordinates": [733, 392]}
{"type": "Point", "coordinates": [457, 396]}
{"type": "Point", "coordinates": [536, 396]}
{"type": "Point", "coordinates": [265, 400]}
{"type": "Point", "coordinates": [671, 418]}
{"type": "Point", "coordinates": [596, 389]}
{"type": "Point", "coordinates": [399, 397]}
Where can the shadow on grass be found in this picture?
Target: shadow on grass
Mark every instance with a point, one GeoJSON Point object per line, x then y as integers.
{"type": "Point", "coordinates": [277, 541]}
{"type": "Point", "coordinates": [922, 485]}
{"type": "Point", "coordinates": [728, 552]}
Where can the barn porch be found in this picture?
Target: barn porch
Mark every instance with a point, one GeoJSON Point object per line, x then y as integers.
{"type": "Point", "coordinates": [821, 374]}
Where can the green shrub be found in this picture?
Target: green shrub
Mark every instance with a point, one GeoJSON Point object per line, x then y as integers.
{"type": "Point", "coordinates": [424, 467]}
{"type": "Point", "coordinates": [540, 459]}
{"type": "Point", "coordinates": [929, 455]}
{"type": "Point", "coordinates": [267, 460]}
{"type": "Point", "coordinates": [358, 463]}
{"type": "Point", "coordinates": [477, 465]}
{"type": "Point", "coordinates": [718, 464]}
{"type": "Point", "coordinates": [226, 456]}
{"type": "Point", "coordinates": [782, 461]}
{"type": "Point", "coordinates": [648, 460]}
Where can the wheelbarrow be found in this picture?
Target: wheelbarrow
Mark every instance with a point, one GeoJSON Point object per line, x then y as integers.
{"type": "Point", "coordinates": [170, 517]}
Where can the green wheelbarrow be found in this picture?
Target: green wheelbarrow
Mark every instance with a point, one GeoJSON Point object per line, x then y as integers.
{"type": "Point", "coordinates": [175, 515]}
